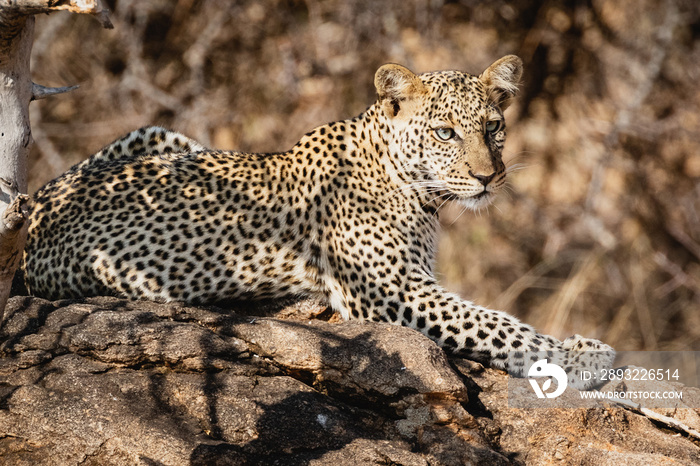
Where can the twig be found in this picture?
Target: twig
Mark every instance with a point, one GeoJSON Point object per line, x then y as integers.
{"type": "Point", "coordinates": [680, 278]}
{"type": "Point", "coordinates": [683, 238]}
{"type": "Point", "coordinates": [653, 415]}
{"type": "Point", "coordinates": [41, 92]}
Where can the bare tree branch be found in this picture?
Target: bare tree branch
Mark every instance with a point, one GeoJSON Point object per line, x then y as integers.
{"type": "Point", "coordinates": [41, 92]}
{"type": "Point", "coordinates": [667, 421]}
{"type": "Point", "coordinates": [16, 8]}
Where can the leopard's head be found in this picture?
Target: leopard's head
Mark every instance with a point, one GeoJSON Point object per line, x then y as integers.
{"type": "Point", "coordinates": [445, 130]}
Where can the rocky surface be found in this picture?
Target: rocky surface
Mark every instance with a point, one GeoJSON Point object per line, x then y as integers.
{"type": "Point", "coordinates": [106, 381]}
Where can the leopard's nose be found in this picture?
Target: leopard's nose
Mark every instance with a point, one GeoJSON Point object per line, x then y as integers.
{"type": "Point", "coordinates": [483, 179]}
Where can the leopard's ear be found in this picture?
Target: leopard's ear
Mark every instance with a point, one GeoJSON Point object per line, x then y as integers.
{"type": "Point", "coordinates": [502, 79]}
{"type": "Point", "coordinates": [396, 85]}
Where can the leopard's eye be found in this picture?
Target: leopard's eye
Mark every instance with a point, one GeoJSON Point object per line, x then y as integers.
{"type": "Point", "coordinates": [445, 134]}
{"type": "Point", "coordinates": [492, 126]}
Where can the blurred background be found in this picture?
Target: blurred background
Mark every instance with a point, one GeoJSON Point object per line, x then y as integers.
{"type": "Point", "coordinates": [599, 233]}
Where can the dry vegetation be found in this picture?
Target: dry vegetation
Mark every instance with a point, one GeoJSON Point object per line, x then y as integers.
{"type": "Point", "coordinates": [600, 232]}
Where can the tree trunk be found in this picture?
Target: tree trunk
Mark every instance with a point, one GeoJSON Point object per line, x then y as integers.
{"type": "Point", "coordinates": [16, 91]}
{"type": "Point", "coordinates": [15, 140]}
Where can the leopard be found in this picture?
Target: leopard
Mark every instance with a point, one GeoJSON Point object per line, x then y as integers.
{"type": "Point", "coordinates": [349, 215]}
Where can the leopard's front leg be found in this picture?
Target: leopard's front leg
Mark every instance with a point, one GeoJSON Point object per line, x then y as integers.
{"type": "Point", "coordinates": [463, 328]}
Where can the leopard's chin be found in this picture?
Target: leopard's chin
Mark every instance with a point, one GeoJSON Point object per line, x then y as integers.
{"type": "Point", "coordinates": [476, 201]}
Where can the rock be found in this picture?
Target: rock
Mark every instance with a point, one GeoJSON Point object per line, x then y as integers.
{"type": "Point", "coordinates": [107, 381]}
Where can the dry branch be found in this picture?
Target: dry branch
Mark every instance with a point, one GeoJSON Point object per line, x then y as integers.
{"type": "Point", "coordinates": [13, 9]}
{"type": "Point", "coordinates": [653, 415]}
{"type": "Point", "coordinates": [41, 92]}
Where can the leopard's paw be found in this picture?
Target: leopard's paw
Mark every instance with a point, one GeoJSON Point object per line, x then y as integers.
{"type": "Point", "coordinates": [583, 360]}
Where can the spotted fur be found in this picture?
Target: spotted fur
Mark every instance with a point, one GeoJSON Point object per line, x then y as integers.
{"type": "Point", "coordinates": [348, 214]}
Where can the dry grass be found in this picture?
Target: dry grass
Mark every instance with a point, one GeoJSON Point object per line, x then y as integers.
{"type": "Point", "coordinates": [600, 232]}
